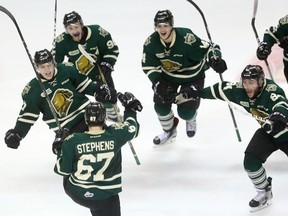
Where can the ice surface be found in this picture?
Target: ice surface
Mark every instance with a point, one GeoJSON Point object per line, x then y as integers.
{"type": "Point", "coordinates": [202, 176]}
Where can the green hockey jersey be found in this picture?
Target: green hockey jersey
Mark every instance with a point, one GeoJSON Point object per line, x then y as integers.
{"type": "Point", "coordinates": [184, 60]}
{"type": "Point", "coordinates": [92, 162]}
{"type": "Point", "coordinates": [66, 92]}
{"type": "Point", "coordinates": [98, 43]}
{"type": "Point", "coordinates": [274, 34]}
{"type": "Point", "coordinates": [271, 99]}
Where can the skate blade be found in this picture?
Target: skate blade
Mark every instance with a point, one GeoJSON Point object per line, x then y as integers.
{"type": "Point", "coordinates": [169, 141]}
{"type": "Point", "coordinates": [256, 209]}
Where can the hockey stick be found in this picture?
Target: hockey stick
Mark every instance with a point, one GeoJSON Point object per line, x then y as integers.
{"type": "Point", "coordinates": [221, 77]}
{"type": "Point", "coordinates": [256, 34]}
{"type": "Point", "coordinates": [4, 10]}
{"type": "Point", "coordinates": [55, 22]}
{"type": "Point", "coordinates": [89, 57]}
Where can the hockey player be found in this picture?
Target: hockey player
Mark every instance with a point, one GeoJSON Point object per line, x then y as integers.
{"type": "Point", "coordinates": [91, 162]}
{"type": "Point", "coordinates": [66, 89]}
{"type": "Point", "coordinates": [98, 43]}
{"type": "Point", "coordinates": [273, 35]}
{"type": "Point", "coordinates": [175, 57]}
{"type": "Point", "coordinates": [267, 103]}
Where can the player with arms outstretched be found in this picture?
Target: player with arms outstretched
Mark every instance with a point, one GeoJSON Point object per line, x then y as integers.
{"type": "Point", "coordinates": [66, 89]}
{"type": "Point", "coordinates": [267, 103]}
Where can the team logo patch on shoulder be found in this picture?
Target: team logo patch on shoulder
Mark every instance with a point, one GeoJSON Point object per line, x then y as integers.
{"type": "Point", "coordinates": [102, 32]}
{"type": "Point", "coordinates": [189, 38]}
{"type": "Point", "coordinates": [26, 89]}
{"type": "Point", "coordinates": [59, 38]}
{"type": "Point", "coordinates": [148, 41]}
{"type": "Point", "coordinates": [271, 87]}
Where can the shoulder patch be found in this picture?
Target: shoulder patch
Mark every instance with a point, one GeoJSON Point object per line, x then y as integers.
{"type": "Point", "coordinates": [148, 41]}
{"type": "Point", "coordinates": [59, 38]}
{"type": "Point", "coordinates": [189, 38]}
{"type": "Point", "coordinates": [271, 87]}
{"type": "Point", "coordinates": [284, 20]}
{"type": "Point", "coordinates": [102, 32]}
{"type": "Point", "coordinates": [26, 89]}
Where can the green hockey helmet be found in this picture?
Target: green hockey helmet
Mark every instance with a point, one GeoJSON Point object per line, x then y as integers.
{"type": "Point", "coordinates": [42, 57]}
{"type": "Point", "coordinates": [253, 72]}
{"type": "Point", "coordinates": [95, 114]}
{"type": "Point", "coordinates": [72, 17]}
{"type": "Point", "coordinates": [164, 16]}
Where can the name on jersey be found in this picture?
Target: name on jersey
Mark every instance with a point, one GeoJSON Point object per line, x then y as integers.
{"type": "Point", "coordinates": [95, 146]}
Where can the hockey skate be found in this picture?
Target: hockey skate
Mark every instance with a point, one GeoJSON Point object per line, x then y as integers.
{"type": "Point", "coordinates": [263, 198]}
{"type": "Point", "coordinates": [191, 127]}
{"type": "Point", "coordinates": [166, 136]}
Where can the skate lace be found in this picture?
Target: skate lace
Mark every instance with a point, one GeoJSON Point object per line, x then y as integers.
{"type": "Point", "coordinates": [164, 135]}
{"type": "Point", "coordinates": [261, 196]}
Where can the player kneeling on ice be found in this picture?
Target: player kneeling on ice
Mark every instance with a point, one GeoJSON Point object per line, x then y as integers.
{"type": "Point", "coordinates": [175, 58]}
{"type": "Point", "coordinates": [267, 103]}
{"type": "Point", "coordinates": [91, 162]}
{"type": "Point", "coordinates": [66, 90]}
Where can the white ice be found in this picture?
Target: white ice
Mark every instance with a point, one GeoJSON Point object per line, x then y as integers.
{"type": "Point", "coordinates": [202, 176]}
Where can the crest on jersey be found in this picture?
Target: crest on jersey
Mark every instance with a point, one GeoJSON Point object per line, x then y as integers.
{"type": "Point", "coordinates": [169, 65]}
{"type": "Point", "coordinates": [62, 100]}
{"type": "Point", "coordinates": [189, 39]}
{"type": "Point", "coordinates": [259, 115]}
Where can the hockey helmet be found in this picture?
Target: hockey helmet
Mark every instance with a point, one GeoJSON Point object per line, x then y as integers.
{"type": "Point", "coordinates": [72, 17]}
{"type": "Point", "coordinates": [95, 114]}
{"type": "Point", "coordinates": [164, 16]}
{"type": "Point", "coordinates": [253, 72]}
{"type": "Point", "coordinates": [42, 57]}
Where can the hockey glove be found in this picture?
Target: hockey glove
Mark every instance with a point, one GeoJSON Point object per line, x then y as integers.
{"type": "Point", "coordinates": [218, 64]}
{"type": "Point", "coordinates": [263, 50]}
{"type": "Point", "coordinates": [284, 43]}
{"type": "Point", "coordinates": [279, 122]}
{"type": "Point", "coordinates": [12, 139]}
{"type": "Point", "coordinates": [59, 138]}
{"type": "Point", "coordinates": [129, 101]}
{"type": "Point", "coordinates": [164, 90]}
{"type": "Point", "coordinates": [102, 93]}
{"type": "Point", "coordinates": [106, 68]}
{"type": "Point", "coordinates": [190, 93]}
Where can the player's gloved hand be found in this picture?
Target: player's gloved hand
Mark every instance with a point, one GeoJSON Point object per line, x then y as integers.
{"type": "Point", "coordinates": [190, 92]}
{"type": "Point", "coordinates": [164, 90]}
{"type": "Point", "coordinates": [284, 43]}
{"type": "Point", "coordinates": [263, 50]}
{"type": "Point", "coordinates": [218, 64]}
{"type": "Point", "coordinates": [129, 101]}
{"type": "Point", "coordinates": [59, 138]}
{"type": "Point", "coordinates": [12, 139]}
{"type": "Point", "coordinates": [279, 122]}
{"type": "Point", "coordinates": [106, 68]}
{"type": "Point", "coordinates": [102, 93]}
